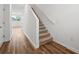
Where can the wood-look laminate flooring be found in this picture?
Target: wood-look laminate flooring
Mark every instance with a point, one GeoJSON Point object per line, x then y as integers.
{"type": "Point", "coordinates": [19, 44]}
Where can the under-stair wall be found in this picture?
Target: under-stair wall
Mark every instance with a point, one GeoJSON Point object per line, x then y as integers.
{"type": "Point", "coordinates": [30, 25]}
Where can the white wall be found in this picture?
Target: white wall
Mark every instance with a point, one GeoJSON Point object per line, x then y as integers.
{"type": "Point", "coordinates": [17, 10]}
{"type": "Point", "coordinates": [6, 19]}
{"type": "Point", "coordinates": [30, 25]}
{"type": "Point", "coordinates": [4, 23]}
{"type": "Point", "coordinates": [16, 23]}
{"type": "Point", "coordinates": [66, 17]}
{"type": "Point", "coordinates": [1, 24]}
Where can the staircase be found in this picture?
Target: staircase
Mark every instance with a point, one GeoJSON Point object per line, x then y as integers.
{"type": "Point", "coordinates": [44, 35]}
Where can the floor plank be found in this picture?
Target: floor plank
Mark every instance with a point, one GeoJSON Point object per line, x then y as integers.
{"type": "Point", "coordinates": [19, 44]}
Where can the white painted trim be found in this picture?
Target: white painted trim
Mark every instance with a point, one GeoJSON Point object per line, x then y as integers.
{"type": "Point", "coordinates": [37, 29]}
{"type": "Point", "coordinates": [71, 48]}
{"type": "Point", "coordinates": [10, 22]}
{"type": "Point", "coordinates": [37, 33]}
{"type": "Point", "coordinates": [30, 40]}
{"type": "Point", "coordinates": [2, 42]}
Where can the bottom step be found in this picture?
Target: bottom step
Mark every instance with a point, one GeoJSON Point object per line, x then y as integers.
{"type": "Point", "coordinates": [46, 41]}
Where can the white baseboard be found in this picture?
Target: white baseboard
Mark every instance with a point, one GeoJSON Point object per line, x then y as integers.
{"type": "Point", "coordinates": [30, 40]}
{"type": "Point", "coordinates": [1, 43]}
{"type": "Point", "coordinates": [71, 48]}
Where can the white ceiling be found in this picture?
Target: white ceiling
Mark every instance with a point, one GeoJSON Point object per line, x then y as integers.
{"type": "Point", "coordinates": [17, 8]}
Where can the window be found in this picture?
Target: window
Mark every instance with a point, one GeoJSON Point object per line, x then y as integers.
{"type": "Point", "coordinates": [16, 18]}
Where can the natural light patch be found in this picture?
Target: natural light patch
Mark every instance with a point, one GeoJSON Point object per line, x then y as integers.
{"type": "Point", "coordinates": [16, 18]}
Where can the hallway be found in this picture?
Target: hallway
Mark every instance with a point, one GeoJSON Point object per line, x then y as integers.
{"type": "Point", "coordinates": [17, 44]}
{"type": "Point", "coordinates": [20, 45]}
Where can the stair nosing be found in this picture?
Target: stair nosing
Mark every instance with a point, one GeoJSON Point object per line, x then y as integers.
{"type": "Point", "coordinates": [44, 34]}
{"type": "Point", "coordinates": [41, 40]}
{"type": "Point", "coordinates": [42, 29]}
{"type": "Point", "coordinates": [41, 26]}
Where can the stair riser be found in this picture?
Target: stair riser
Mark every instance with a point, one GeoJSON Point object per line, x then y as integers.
{"type": "Point", "coordinates": [41, 25]}
{"type": "Point", "coordinates": [40, 22]}
{"type": "Point", "coordinates": [41, 28]}
{"type": "Point", "coordinates": [46, 41]}
{"type": "Point", "coordinates": [43, 31]}
{"type": "Point", "coordinates": [44, 36]}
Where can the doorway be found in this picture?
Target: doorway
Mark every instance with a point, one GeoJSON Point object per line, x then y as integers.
{"type": "Point", "coordinates": [18, 38]}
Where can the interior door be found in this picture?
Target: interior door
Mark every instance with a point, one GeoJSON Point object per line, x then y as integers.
{"type": "Point", "coordinates": [1, 23]}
